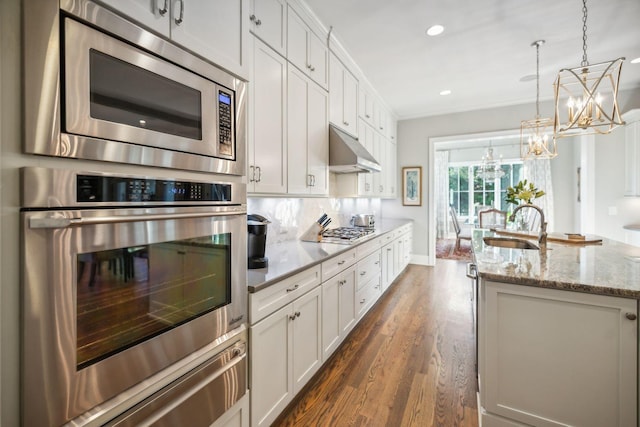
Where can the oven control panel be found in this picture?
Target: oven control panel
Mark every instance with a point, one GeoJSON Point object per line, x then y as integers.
{"type": "Point", "coordinates": [225, 123]}
{"type": "Point", "coordinates": [99, 189]}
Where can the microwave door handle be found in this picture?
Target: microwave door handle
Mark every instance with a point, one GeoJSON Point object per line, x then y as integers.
{"type": "Point", "coordinates": [70, 222]}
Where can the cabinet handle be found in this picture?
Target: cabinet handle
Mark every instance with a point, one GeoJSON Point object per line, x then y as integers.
{"type": "Point", "coordinates": [367, 116]}
{"type": "Point", "coordinates": [377, 262]}
{"type": "Point", "coordinates": [297, 314]}
{"type": "Point", "coordinates": [252, 174]}
{"type": "Point", "coordinates": [181, 252]}
{"type": "Point", "coordinates": [181, 16]}
{"type": "Point", "coordinates": [341, 262]}
{"type": "Point", "coordinates": [164, 9]}
{"type": "Point", "coordinates": [346, 123]}
{"type": "Point", "coordinates": [256, 21]}
{"type": "Point", "coordinates": [312, 68]}
{"type": "Point", "coordinates": [292, 317]}
{"type": "Point", "coordinates": [342, 282]}
{"type": "Point", "coordinates": [388, 249]}
{"type": "Point", "coordinates": [363, 273]}
{"type": "Point", "coordinates": [292, 289]}
{"type": "Point", "coordinates": [381, 188]}
{"type": "Point", "coordinates": [259, 174]}
{"type": "Point", "coordinates": [363, 301]}
{"type": "Point", "coordinates": [631, 316]}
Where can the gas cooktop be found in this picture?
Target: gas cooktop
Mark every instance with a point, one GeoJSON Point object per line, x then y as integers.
{"type": "Point", "coordinates": [345, 235]}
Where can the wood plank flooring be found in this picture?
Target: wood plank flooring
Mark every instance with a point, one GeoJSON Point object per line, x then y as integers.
{"type": "Point", "coordinates": [409, 362]}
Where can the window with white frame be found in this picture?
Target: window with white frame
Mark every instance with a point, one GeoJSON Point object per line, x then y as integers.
{"type": "Point", "coordinates": [469, 192]}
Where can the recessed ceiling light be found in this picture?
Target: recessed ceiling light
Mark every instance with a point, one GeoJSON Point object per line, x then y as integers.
{"type": "Point", "coordinates": [445, 92]}
{"type": "Point", "coordinates": [635, 61]}
{"type": "Point", "coordinates": [435, 30]}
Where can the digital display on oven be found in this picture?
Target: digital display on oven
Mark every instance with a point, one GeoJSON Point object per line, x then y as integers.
{"type": "Point", "coordinates": [224, 98]}
{"type": "Point", "coordinates": [98, 189]}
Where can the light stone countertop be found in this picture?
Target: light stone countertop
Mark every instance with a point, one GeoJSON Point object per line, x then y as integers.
{"type": "Point", "coordinates": [291, 257]}
{"type": "Point", "coordinates": [612, 268]}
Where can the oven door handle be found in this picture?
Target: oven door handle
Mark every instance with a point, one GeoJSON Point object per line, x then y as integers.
{"type": "Point", "coordinates": [70, 222]}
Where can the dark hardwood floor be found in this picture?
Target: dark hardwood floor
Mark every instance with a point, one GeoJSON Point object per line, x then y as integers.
{"type": "Point", "coordinates": [409, 362]}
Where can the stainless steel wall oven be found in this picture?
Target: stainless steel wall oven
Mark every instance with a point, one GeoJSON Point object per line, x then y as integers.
{"type": "Point", "coordinates": [124, 277]}
{"type": "Point", "coordinates": [99, 87]}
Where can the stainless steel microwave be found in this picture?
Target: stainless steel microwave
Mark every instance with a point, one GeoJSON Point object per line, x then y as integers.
{"type": "Point", "coordinates": [100, 87]}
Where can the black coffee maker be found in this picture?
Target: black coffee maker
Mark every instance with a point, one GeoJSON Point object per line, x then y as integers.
{"type": "Point", "coordinates": [257, 241]}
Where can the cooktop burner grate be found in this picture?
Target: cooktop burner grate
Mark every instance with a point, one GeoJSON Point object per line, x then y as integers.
{"type": "Point", "coordinates": [345, 234]}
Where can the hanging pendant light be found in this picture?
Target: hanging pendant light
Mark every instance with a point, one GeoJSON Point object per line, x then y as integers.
{"type": "Point", "coordinates": [535, 142]}
{"type": "Point", "coordinates": [490, 169]}
{"type": "Point", "coordinates": [587, 96]}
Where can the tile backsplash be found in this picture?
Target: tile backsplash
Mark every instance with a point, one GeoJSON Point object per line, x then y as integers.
{"type": "Point", "coordinates": [290, 217]}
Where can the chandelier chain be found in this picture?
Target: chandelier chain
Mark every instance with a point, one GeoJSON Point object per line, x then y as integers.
{"type": "Point", "coordinates": [584, 34]}
{"type": "Point", "coordinates": [537, 80]}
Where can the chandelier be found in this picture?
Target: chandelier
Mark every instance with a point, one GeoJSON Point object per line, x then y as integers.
{"type": "Point", "coordinates": [534, 134]}
{"type": "Point", "coordinates": [586, 97]}
{"type": "Point", "coordinates": [490, 169]}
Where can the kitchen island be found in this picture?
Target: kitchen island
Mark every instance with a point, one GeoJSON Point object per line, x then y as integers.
{"type": "Point", "coordinates": [557, 333]}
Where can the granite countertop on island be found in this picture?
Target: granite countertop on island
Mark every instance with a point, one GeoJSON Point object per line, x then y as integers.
{"type": "Point", "coordinates": [291, 257]}
{"type": "Point", "coordinates": [612, 268]}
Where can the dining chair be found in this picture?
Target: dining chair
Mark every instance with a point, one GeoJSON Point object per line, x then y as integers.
{"type": "Point", "coordinates": [492, 218]}
{"type": "Point", "coordinates": [461, 233]}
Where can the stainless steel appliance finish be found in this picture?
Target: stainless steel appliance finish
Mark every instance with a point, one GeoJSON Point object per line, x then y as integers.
{"type": "Point", "coordinates": [363, 220]}
{"type": "Point", "coordinates": [347, 155]}
{"type": "Point", "coordinates": [198, 398]}
{"type": "Point", "coordinates": [346, 235]}
{"type": "Point", "coordinates": [98, 248]}
{"type": "Point", "coordinates": [171, 109]}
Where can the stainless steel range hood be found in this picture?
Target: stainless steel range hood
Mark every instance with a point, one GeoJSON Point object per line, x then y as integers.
{"type": "Point", "coordinates": [347, 155]}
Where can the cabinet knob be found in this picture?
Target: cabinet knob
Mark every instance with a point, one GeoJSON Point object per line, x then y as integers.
{"type": "Point", "coordinates": [346, 123]}
{"type": "Point", "coordinates": [631, 316]}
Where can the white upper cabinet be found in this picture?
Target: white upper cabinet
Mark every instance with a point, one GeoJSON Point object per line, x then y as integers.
{"type": "Point", "coordinates": [269, 23]}
{"type": "Point", "coordinates": [365, 104]}
{"type": "Point", "coordinates": [343, 96]}
{"type": "Point", "coordinates": [267, 145]}
{"type": "Point", "coordinates": [215, 30]}
{"type": "Point", "coordinates": [306, 50]}
{"type": "Point", "coordinates": [632, 153]}
{"type": "Point", "coordinates": [308, 133]}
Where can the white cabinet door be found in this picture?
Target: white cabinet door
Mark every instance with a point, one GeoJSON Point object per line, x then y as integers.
{"type": "Point", "coordinates": [343, 97]}
{"type": "Point", "coordinates": [365, 180]}
{"type": "Point", "coordinates": [338, 310]}
{"type": "Point", "coordinates": [271, 362]}
{"type": "Point", "coordinates": [307, 337]}
{"type": "Point", "coordinates": [551, 357]}
{"type": "Point", "coordinates": [267, 159]}
{"type": "Point", "coordinates": [391, 177]}
{"type": "Point", "coordinates": [154, 14]}
{"type": "Point", "coordinates": [365, 104]}
{"type": "Point", "coordinates": [306, 50]}
{"type": "Point", "coordinates": [307, 133]}
{"type": "Point", "coordinates": [318, 138]}
{"type": "Point", "coordinates": [269, 23]}
{"type": "Point", "coordinates": [632, 159]}
{"type": "Point", "coordinates": [215, 30]}
{"type": "Point", "coordinates": [388, 261]}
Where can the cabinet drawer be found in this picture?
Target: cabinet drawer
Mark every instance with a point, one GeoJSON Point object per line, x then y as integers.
{"type": "Point", "coordinates": [367, 268]}
{"type": "Point", "coordinates": [367, 295]}
{"type": "Point", "coordinates": [387, 237]}
{"type": "Point", "coordinates": [366, 248]}
{"type": "Point", "coordinates": [268, 300]}
{"type": "Point", "coordinates": [338, 263]}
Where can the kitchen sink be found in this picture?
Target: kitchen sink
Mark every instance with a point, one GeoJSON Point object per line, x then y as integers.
{"type": "Point", "coordinates": [508, 242]}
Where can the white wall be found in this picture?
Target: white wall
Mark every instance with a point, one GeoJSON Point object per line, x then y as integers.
{"type": "Point", "coordinates": [413, 150]}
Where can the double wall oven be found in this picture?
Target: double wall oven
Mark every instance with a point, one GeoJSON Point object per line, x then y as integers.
{"type": "Point", "coordinates": [134, 283]}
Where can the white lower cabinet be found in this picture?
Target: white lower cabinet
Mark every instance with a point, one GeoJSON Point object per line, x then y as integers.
{"type": "Point", "coordinates": [338, 309]}
{"type": "Point", "coordinates": [298, 322]}
{"type": "Point", "coordinates": [286, 351]}
{"type": "Point", "coordinates": [388, 262]}
{"type": "Point", "coordinates": [549, 357]}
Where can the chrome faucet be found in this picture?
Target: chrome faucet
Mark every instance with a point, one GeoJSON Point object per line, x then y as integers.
{"type": "Point", "coordinates": [542, 236]}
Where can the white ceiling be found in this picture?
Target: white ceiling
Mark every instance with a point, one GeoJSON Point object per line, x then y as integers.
{"type": "Point", "coordinates": [484, 51]}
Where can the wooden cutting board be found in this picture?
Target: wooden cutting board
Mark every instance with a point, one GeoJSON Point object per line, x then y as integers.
{"type": "Point", "coordinates": [569, 239]}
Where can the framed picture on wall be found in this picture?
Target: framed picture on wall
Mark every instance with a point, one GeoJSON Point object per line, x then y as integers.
{"type": "Point", "coordinates": [412, 186]}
